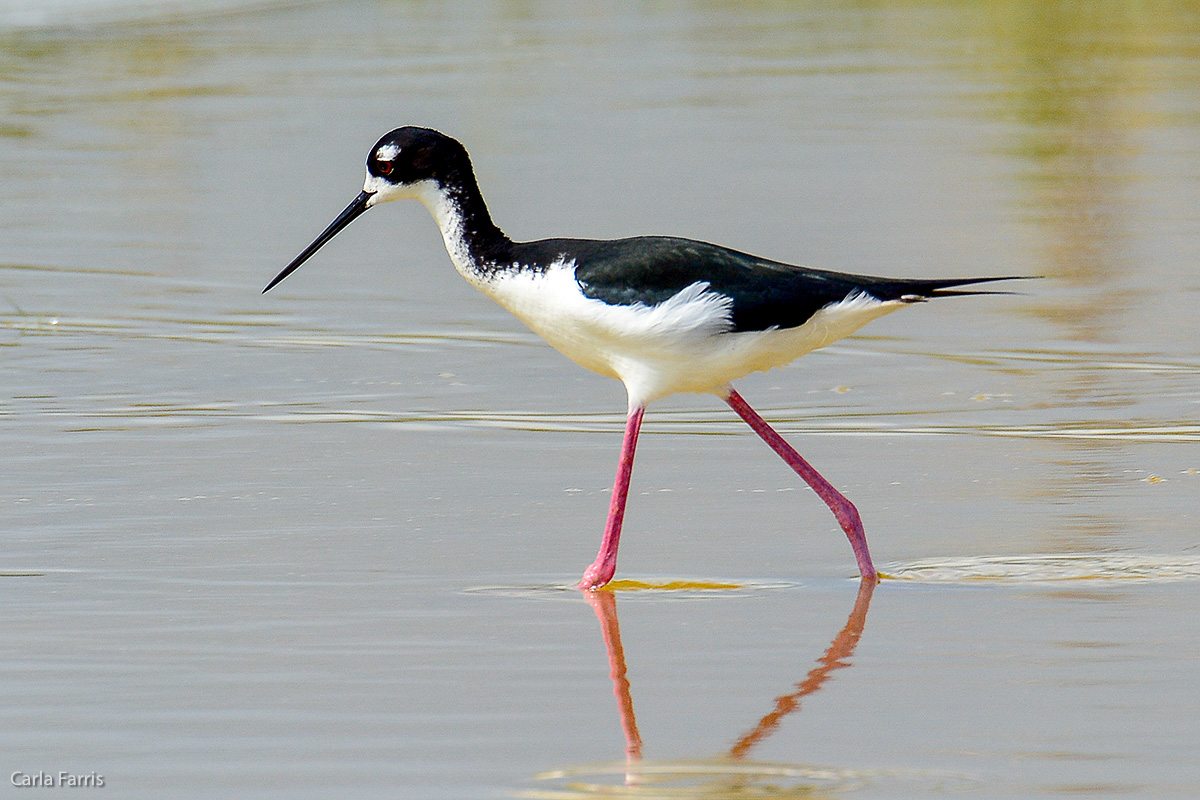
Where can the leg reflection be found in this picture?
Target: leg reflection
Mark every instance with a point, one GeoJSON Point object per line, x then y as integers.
{"type": "Point", "coordinates": [605, 606]}
{"type": "Point", "coordinates": [604, 603]}
{"type": "Point", "coordinates": [835, 657]}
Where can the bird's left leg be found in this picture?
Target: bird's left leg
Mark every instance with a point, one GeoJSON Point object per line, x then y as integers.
{"type": "Point", "coordinates": [605, 566]}
{"type": "Point", "coordinates": [843, 509]}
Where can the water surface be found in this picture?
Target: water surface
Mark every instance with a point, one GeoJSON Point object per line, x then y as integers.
{"type": "Point", "coordinates": [315, 542]}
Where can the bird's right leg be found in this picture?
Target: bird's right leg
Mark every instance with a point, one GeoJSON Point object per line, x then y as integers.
{"type": "Point", "coordinates": [605, 566]}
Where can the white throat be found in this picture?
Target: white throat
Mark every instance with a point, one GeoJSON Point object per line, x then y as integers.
{"type": "Point", "coordinates": [446, 213]}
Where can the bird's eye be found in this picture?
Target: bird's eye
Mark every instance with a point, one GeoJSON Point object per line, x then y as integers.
{"type": "Point", "coordinates": [385, 167]}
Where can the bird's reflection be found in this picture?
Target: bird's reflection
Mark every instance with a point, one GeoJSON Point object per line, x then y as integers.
{"type": "Point", "coordinates": [604, 603]}
{"type": "Point", "coordinates": [731, 774]}
{"type": "Point", "coordinates": [836, 657]}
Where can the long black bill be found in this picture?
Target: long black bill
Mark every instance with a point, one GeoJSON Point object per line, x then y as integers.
{"type": "Point", "coordinates": [358, 206]}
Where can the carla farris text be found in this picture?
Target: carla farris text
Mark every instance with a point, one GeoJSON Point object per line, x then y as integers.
{"type": "Point", "coordinates": [64, 778]}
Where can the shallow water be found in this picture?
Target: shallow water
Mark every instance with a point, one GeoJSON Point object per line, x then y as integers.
{"type": "Point", "coordinates": [316, 542]}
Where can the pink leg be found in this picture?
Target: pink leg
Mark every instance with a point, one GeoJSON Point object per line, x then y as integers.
{"type": "Point", "coordinates": [843, 509]}
{"type": "Point", "coordinates": [605, 566]}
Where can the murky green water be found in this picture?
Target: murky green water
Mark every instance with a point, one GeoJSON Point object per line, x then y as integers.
{"type": "Point", "coordinates": [308, 544]}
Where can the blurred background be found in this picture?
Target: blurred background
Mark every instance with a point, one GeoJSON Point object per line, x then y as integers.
{"type": "Point", "coordinates": [314, 541]}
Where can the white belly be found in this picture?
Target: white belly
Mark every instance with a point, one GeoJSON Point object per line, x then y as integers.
{"type": "Point", "coordinates": [681, 345]}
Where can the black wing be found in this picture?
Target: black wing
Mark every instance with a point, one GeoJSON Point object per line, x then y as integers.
{"type": "Point", "coordinates": [766, 294]}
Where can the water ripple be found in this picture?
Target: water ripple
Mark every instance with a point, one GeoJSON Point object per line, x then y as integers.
{"type": "Point", "coordinates": [725, 779]}
{"type": "Point", "coordinates": [1045, 568]}
{"type": "Point", "coordinates": [673, 588]}
{"type": "Point", "coordinates": [715, 422]}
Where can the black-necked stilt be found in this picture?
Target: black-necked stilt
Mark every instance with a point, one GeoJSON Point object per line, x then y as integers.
{"type": "Point", "coordinates": [661, 314]}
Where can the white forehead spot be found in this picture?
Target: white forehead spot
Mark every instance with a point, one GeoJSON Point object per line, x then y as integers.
{"type": "Point", "coordinates": [387, 152]}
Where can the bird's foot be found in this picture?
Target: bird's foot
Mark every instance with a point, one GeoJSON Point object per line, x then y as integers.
{"type": "Point", "coordinates": [596, 576]}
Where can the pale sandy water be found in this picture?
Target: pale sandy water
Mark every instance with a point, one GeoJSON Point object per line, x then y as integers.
{"type": "Point", "coordinates": [307, 544]}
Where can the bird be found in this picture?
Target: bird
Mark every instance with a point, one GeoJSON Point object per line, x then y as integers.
{"type": "Point", "coordinates": [662, 314]}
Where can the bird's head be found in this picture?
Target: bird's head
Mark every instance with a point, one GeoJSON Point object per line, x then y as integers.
{"type": "Point", "coordinates": [408, 163]}
{"type": "Point", "coordinates": [413, 163]}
